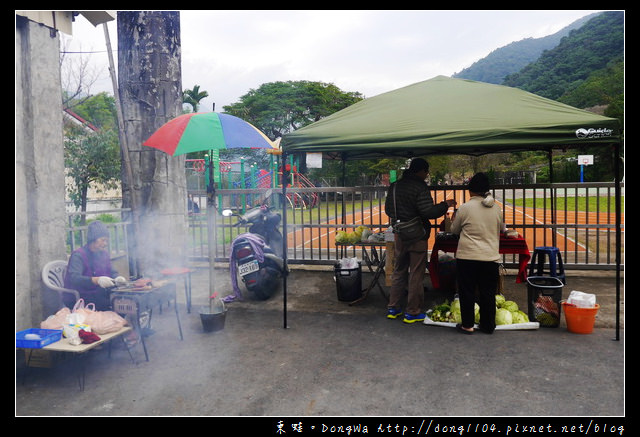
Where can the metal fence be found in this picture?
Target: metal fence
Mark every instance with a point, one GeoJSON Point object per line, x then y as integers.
{"type": "Point", "coordinates": [117, 221]}
{"type": "Point", "coordinates": [117, 225]}
{"type": "Point", "coordinates": [579, 219]}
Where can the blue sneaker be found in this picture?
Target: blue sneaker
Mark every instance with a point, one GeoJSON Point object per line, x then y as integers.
{"type": "Point", "coordinates": [408, 318]}
{"type": "Point", "coordinates": [393, 313]}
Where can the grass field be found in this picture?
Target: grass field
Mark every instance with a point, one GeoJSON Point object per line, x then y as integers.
{"type": "Point", "coordinates": [587, 204]}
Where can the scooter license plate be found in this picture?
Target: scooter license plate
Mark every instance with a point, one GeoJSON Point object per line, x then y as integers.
{"type": "Point", "coordinates": [246, 268]}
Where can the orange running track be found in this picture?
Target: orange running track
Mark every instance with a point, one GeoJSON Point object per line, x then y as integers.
{"type": "Point", "coordinates": [317, 237]}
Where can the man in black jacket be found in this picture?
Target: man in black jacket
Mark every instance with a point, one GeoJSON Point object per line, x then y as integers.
{"type": "Point", "coordinates": [412, 199]}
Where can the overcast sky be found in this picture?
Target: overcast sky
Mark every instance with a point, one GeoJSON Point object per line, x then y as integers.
{"type": "Point", "coordinates": [228, 53]}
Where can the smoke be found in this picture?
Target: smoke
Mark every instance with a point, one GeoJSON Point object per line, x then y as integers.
{"type": "Point", "coordinates": [161, 242]}
{"type": "Point", "coordinates": [159, 239]}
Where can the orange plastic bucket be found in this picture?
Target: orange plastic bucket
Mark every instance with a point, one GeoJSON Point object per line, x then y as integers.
{"type": "Point", "coordinates": [580, 320]}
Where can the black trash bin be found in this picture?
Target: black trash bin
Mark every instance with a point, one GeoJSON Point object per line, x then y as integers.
{"type": "Point", "coordinates": [544, 294]}
{"type": "Point", "coordinates": [348, 282]}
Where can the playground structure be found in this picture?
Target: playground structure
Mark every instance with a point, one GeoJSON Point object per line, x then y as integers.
{"type": "Point", "coordinates": [245, 175]}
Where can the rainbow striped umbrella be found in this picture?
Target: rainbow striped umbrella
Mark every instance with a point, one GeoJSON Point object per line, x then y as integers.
{"type": "Point", "coordinates": [207, 131]}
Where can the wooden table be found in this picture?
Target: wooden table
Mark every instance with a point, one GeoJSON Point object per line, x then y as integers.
{"type": "Point", "coordinates": [79, 350]}
{"type": "Point", "coordinates": [507, 246]}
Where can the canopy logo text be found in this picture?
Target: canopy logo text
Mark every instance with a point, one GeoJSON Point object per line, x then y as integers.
{"type": "Point", "coordinates": [593, 133]}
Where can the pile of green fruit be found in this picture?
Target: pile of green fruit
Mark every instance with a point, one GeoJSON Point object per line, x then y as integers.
{"type": "Point", "coordinates": [359, 234]}
{"type": "Point", "coordinates": [507, 312]}
{"type": "Point", "coordinates": [449, 312]}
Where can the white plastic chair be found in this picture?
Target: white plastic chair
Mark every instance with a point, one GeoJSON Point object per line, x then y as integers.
{"type": "Point", "coordinates": [53, 277]}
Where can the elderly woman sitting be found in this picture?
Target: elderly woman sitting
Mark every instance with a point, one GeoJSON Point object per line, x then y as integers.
{"type": "Point", "coordinates": [89, 270]}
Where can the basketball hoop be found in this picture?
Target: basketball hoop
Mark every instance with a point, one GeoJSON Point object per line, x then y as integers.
{"type": "Point", "coordinates": [585, 159]}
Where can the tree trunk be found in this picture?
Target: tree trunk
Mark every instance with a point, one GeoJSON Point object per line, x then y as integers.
{"type": "Point", "coordinates": [83, 203]}
{"type": "Point", "coordinates": [150, 88]}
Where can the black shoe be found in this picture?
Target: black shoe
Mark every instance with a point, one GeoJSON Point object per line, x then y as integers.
{"type": "Point", "coordinates": [485, 330]}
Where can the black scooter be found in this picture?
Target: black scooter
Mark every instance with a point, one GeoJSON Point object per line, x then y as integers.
{"type": "Point", "coordinates": [256, 256]}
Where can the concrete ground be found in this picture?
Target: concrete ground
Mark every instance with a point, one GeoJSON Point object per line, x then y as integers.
{"type": "Point", "coordinates": [334, 359]}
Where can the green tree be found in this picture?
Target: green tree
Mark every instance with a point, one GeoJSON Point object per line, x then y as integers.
{"type": "Point", "coordinates": [92, 159]}
{"type": "Point", "coordinates": [277, 108]}
{"type": "Point", "coordinates": [604, 87]}
{"type": "Point", "coordinates": [100, 109]}
{"type": "Point", "coordinates": [193, 96]}
{"type": "Point", "coordinates": [584, 50]}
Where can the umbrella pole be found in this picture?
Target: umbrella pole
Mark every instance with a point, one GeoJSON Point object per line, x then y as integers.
{"type": "Point", "coordinates": [211, 231]}
{"type": "Point", "coordinates": [284, 179]}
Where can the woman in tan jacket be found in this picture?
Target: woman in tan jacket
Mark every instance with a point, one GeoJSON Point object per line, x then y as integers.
{"type": "Point", "coordinates": [478, 222]}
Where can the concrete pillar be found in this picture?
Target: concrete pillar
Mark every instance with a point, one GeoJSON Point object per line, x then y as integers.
{"type": "Point", "coordinates": [40, 219]}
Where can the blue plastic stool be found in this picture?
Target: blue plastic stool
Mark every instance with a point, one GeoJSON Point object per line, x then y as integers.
{"type": "Point", "coordinates": [556, 268]}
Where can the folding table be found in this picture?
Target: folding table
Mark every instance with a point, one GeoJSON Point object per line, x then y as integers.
{"type": "Point", "coordinates": [132, 301]}
{"type": "Point", "coordinates": [80, 350]}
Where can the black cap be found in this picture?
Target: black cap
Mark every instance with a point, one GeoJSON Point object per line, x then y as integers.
{"type": "Point", "coordinates": [418, 164]}
{"type": "Point", "coordinates": [479, 183]}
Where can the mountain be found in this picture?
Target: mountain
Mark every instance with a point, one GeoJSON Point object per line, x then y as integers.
{"type": "Point", "coordinates": [597, 45]}
{"type": "Point", "coordinates": [514, 56]}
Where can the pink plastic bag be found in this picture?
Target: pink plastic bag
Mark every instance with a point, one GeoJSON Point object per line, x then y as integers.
{"type": "Point", "coordinates": [82, 311]}
{"type": "Point", "coordinates": [101, 322]}
{"type": "Point", "coordinates": [104, 322]}
{"type": "Point", "coordinates": [57, 320]}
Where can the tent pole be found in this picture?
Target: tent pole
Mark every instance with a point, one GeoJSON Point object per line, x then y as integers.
{"type": "Point", "coordinates": [284, 179]}
{"type": "Point", "coordinates": [616, 157]}
{"type": "Point", "coordinates": [344, 178]}
{"type": "Point", "coordinates": [553, 203]}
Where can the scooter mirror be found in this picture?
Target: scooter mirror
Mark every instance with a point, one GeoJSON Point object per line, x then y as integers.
{"type": "Point", "coordinates": [268, 194]}
{"type": "Point", "coordinates": [227, 212]}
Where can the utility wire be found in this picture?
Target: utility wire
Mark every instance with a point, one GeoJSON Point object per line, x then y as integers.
{"type": "Point", "coordinates": [97, 51]}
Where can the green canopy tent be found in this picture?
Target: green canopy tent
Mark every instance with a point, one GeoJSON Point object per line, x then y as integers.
{"type": "Point", "coordinates": [451, 116]}
{"type": "Point", "coordinates": [455, 116]}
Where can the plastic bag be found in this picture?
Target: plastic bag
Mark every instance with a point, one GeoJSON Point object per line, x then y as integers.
{"type": "Point", "coordinates": [72, 330]}
{"type": "Point", "coordinates": [57, 320]}
{"type": "Point", "coordinates": [101, 322]}
{"type": "Point", "coordinates": [581, 300]}
{"type": "Point", "coordinates": [104, 322]}
{"type": "Point", "coordinates": [349, 263]}
{"type": "Point", "coordinates": [80, 311]}
{"type": "Point", "coordinates": [502, 272]}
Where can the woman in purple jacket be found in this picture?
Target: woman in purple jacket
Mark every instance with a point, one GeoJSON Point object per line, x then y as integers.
{"type": "Point", "coordinates": [89, 270]}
